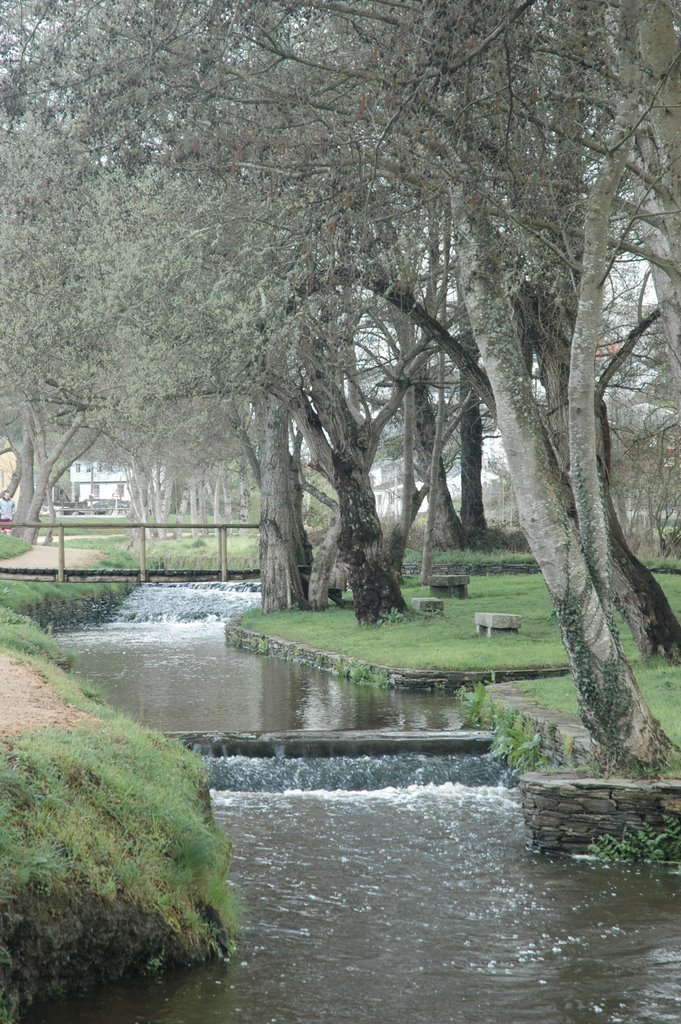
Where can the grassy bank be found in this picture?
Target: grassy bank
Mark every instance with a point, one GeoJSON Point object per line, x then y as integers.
{"type": "Point", "coordinates": [659, 681]}
{"type": "Point", "coordinates": [110, 861]}
{"type": "Point", "coordinates": [449, 641]}
{"type": "Point", "coordinates": [12, 546]}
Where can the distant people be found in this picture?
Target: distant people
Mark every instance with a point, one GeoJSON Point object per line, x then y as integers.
{"type": "Point", "coordinates": [7, 506]}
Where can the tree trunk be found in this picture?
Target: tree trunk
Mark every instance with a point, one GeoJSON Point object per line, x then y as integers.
{"type": "Point", "coordinates": [621, 726]}
{"type": "Point", "coordinates": [375, 589]}
{"type": "Point", "coordinates": [472, 505]}
{"type": "Point", "coordinates": [322, 568]}
{"type": "Point", "coordinates": [26, 460]}
{"type": "Point", "coordinates": [436, 459]}
{"type": "Point", "coordinates": [303, 546]}
{"type": "Point", "coordinates": [448, 531]}
{"type": "Point", "coordinates": [281, 584]}
{"type": "Point", "coordinates": [181, 511]}
{"type": "Point", "coordinates": [396, 536]}
{"type": "Point", "coordinates": [245, 493]}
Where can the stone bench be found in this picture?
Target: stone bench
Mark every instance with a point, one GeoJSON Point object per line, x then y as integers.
{"type": "Point", "coordinates": [427, 604]}
{"type": "Point", "coordinates": [450, 585]}
{"type": "Point", "coordinates": [497, 622]}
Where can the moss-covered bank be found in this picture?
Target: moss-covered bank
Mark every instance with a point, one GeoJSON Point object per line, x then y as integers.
{"type": "Point", "coordinates": [110, 861]}
{"type": "Point", "coordinates": [61, 604]}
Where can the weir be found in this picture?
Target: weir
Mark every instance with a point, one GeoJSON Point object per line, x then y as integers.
{"type": "Point", "coordinates": [337, 743]}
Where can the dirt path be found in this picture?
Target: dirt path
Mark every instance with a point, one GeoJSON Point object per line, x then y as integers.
{"type": "Point", "coordinates": [28, 702]}
{"type": "Point", "coordinates": [46, 556]}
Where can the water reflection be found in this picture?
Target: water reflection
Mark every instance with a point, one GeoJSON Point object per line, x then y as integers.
{"type": "Point", "coordinates": [181, 676]}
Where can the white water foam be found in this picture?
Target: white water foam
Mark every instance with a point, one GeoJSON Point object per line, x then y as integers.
{"type": "Point", "coordinates": [456, 792]}
{"type": "Point", "coordinates": [188, 602]}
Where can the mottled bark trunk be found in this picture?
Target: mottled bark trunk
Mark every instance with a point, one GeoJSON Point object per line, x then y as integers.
{"type": "Point", "coordinates": [396, 535]}
{"type": "Point", "coordinates": [303, 545]}
{"type": "Point", "coordinates": [244, 493]}
{"type": "Point", "coordinates": [181, 511]}
{"type": "Point", "coordinates": [26, 460]}
{"type": "Point", "coordinates": [436, 459]}
{"type": "Point", "coordinates": [49, 466]}
{"type": "Point", "coordinates": [375, 588]}
{"type": "Point", "coordinates": [281, 585]}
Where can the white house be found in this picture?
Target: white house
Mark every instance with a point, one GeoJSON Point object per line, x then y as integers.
{"type": "Point", "coordinates": [99, 481]}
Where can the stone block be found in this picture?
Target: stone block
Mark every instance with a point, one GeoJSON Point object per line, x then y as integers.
{"type": "Point", "coordinates": [494, 623]}
{"type": "Point", "coordinates": [427, 604]}
{"type": "Point", "coordinates": [450, 585]}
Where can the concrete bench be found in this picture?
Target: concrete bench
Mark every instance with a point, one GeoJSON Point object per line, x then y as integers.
{"type": "Point", "coordinates": [427, 604]}
{"type": "Point", "coordinates": [497, 622]}
{"type": "Point", "coordinates": [450, 585]}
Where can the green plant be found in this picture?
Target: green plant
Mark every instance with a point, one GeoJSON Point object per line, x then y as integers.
{"type": "Point", "coordinates": [516, 741]}
{"type": "Point", "coordinates": [263, 646]}
{"type": "Point", "coordinates": [365, 675]}
{"type": "Point", "coordinates": [477, 707]}
{"type": "Point", "coordinates": [155, 964]}
{"type": "Point", "coordinates": [391, 618]}
{"type": "Point", "coordinates": [514, 738]}
{"type": "Point", "coordinates": [8, 1011]}
{"type": "Point", "coordinates": [645, 844]}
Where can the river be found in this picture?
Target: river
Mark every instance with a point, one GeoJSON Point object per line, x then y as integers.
{"type": "Point", "coordinates": [394, 890]}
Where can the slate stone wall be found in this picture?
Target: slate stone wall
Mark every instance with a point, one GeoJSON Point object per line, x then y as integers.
{"type": "Point", "coordinates": [565, 812]}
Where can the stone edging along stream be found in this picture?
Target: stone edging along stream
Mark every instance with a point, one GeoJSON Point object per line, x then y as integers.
{"type": "Point", "coordinates": [400, 678]}
{"type": "Point", "coordinates": [563, 812]}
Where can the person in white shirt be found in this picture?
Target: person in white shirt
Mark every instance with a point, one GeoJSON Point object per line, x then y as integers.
{"type": "Point", "coordinates": [7, 505]}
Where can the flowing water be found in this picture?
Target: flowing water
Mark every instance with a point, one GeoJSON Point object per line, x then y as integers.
{"type": "Point", "coordinates": [394, 890]}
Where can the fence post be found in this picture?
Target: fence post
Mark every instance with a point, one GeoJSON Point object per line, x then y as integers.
{"type": "Point", "coordinates": [222, 544]}
{"type": "Point", "coordinates": [143, 553]}
{"type": "Point", "coordinates": [61, 571]}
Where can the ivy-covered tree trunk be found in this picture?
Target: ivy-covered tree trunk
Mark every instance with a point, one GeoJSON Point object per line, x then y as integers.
{"type": "Point", "coordinates": [611, 706]}
{"type": "Point", "coordinates": [281, 584]}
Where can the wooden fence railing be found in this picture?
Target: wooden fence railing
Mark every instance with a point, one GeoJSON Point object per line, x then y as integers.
{"type": "Point", "coordinates": [61, 528]}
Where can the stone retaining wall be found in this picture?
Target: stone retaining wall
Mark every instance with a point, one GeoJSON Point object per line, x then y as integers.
{"type": "Point", "coordinates": [565, 812]}
{"type": "Point", "coordinates": [400, 678]}
{"type": "Point", "coordinates": [459, 568]}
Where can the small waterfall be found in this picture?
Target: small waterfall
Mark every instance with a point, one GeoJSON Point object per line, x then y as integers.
{"type": "Point", "coordinates": [189, 602]}
{"type": "Point", "coordinates": [353, 774]}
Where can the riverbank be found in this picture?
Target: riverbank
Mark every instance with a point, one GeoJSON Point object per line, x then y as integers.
{"type": "Point", "coordinates": [110, 858]}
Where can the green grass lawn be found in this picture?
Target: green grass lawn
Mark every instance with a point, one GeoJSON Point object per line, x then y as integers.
{"type": "Point", "coordinates": [660, 684]}
{"type": "Point", "coordinates": [12, 546]}
{"type": "Point", "coordinates": [186, 552]}
{"type": "Point", "coordinates": [436, 641]}
{"type": "Point", "coordinates": [448, 641]}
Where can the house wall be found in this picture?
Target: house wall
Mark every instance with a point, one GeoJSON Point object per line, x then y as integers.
{"type": "Point", "coordinates": [99, 481]}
